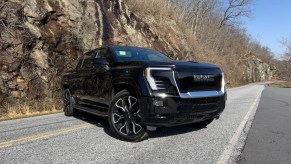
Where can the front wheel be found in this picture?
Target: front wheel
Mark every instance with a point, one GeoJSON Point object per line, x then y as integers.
{"type": "Point", "coordinates": [124, 117]}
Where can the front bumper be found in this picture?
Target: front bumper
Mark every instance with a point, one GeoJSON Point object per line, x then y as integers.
{"type": "Point", "coordinates": [177, 111]}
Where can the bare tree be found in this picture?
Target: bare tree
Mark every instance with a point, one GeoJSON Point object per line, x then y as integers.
{"type": "Point", "coordinates": [287, 44]}
{"type": "Point", "coordinates": [235, 10]}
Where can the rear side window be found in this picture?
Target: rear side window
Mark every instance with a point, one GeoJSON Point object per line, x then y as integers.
{"type": "Point", "coordinates": [87, 61]}
{"type": "Point", "coordinates": [87, 64]}
{"type": "Point", "coordinates": [102, 53]}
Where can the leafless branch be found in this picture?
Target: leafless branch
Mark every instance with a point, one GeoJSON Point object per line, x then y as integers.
{"type": "Point", "coordinates": [235, 10]}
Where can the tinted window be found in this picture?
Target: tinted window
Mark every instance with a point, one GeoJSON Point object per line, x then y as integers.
{"type": "Point", "coordinates": [137, 54]}
{"type": "Point", "coordinates": [102, 53]}
{"type": "Point", "coordinates": [88, 63]}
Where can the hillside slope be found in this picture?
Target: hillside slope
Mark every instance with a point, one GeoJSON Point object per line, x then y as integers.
{"type": "Point", "coordinates": [42, 39]}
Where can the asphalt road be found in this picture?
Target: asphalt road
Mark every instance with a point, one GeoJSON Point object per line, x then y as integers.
{"type": "Point", "coordinates": [59, 139]}
{"type": "Point", "coordinates": [269, 139]}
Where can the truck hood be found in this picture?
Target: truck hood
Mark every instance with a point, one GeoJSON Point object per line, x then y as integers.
{"type": "Point", "coordinates": [173, 64]}
{"type": "Point", "coordinates": [180, 64]}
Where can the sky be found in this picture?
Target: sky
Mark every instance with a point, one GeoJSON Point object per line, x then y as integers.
{"type": "Point", "coordinates": [270, 23]}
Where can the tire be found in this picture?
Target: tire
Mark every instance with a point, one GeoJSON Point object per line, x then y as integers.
{"type": "Point", "coordinates": [68, 103]}
{"type": "Point", "coordinates": [124, 118]}
{"type": "Point", "coordinates": [202, 124]}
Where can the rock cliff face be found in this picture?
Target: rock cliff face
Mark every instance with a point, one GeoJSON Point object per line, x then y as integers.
{"type": "Point", "coordinates": [39, 40]}
{"type": "Point", "coordinates": [42, 39]}
{"type": "Point", "coordinates": [257, 70]}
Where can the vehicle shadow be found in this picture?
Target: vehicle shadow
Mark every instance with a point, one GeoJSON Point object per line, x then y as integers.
{"type": "Point", "coordinates": [159, 133]}
{"type": "Point", "coordinates": [172, 131]}
{"type": "Point", "coordinates": [96, 121]}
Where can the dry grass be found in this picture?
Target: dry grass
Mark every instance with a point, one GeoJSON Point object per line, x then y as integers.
{"type": "Point", "coordinates": [32, 108]}
{"type": "Point", "coordinates": [158, 9]}
{"type": "Point", "coordinates": [14, 115]}
{"type": "Point", "coordinates": [280, 84]}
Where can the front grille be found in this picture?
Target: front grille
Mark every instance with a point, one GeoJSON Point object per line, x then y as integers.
{"type": "Point", "coordinates": [198, 80]}
{"type": "Point", "coordinates": [188, 84]}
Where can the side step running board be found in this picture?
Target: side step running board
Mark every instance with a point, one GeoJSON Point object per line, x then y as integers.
{"type": "Point", "coordinates": [91, 111]}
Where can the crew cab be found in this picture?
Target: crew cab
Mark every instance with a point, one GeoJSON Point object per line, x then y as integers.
{"type": "Point", "coordinates": [139, 89]}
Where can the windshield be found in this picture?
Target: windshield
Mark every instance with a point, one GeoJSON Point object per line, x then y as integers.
{"type": "Point", "coordinates": [137, 54]}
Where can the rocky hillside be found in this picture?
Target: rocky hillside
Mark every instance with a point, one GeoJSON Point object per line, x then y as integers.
{"type": "Point", "coordinates": [39, 40]}
{"type": "Point", "coordinates": [257, 70]}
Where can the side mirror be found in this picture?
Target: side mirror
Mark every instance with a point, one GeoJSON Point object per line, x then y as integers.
{"type": "Point", "coordinates": [100, 62]}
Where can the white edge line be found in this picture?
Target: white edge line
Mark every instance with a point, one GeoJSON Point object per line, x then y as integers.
{"type": "Point", "coordinates": [225, 156]}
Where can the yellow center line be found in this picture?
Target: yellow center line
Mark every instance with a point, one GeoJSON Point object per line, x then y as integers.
{"type": "Point", "coordinates": [44, 135]}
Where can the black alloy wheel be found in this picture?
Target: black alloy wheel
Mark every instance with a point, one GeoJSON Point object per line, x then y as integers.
{"type": "Point", "coordinates": [68, 103]}
{"type": "Point", "coordinates": [124, 118]}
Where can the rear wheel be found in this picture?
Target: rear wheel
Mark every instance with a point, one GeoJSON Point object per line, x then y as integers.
{"type": "Point", "coordinates": [124, 117]}
{"type": "Point", "coordinates": [68, 103]}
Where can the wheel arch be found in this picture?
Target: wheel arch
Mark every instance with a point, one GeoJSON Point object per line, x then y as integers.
{"type": "Point", "coordinates": [125, 86]}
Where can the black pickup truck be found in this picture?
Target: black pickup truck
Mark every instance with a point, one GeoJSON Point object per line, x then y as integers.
{"type": "Point", "coordinates": [140, 89]}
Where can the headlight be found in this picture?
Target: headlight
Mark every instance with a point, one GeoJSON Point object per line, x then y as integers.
{"type": "Point", "coordinates": [161, 79]}
{"type": "Point", "coordinates": [155, 76]}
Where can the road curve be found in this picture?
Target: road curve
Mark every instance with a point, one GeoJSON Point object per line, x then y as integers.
{"type": "Point", "coordinates": [87, 139]}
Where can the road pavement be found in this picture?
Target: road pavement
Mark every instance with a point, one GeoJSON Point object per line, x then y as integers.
{"type": "Point", "coordinates": [88, 139]}
{"type": "Point", "coordinates": [269, 139]}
